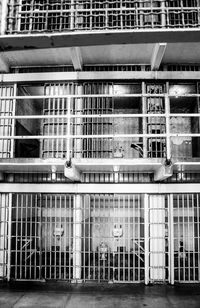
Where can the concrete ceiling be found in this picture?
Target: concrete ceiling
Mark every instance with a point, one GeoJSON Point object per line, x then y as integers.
{"type": "Point", "coordinates": [109, 54]}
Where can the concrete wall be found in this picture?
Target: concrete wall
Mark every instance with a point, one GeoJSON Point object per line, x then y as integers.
{"type": "Point", "coordinates": [126, 126]}
{"type": "Point", "coordinates": [181, 146]}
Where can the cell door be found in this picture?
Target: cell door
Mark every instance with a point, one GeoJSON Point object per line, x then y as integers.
{"type": "Point", "coordinates": [113, 238]}
{"type": "Point", "coordinates": [157, 264]}
{"type": "Point", "coordinates": [97, 147]}
{"type": "Point", "coordinates": [26, 237]}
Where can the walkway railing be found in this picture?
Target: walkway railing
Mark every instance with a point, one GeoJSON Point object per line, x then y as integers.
{"type": "Point", "coordinates": [75, 132]}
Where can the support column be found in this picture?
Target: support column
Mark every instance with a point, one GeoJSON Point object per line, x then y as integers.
{"type": "Point", "coordinates": [3, 234]}
{"type": "Point", "coordinates": [79, 125]}
{"type": "Point", "coordinates": [168, 139]}
{"type": "Point", "coordinates": [77, 237]}
{"type": "Point", "coordinates": [163, 16]}
{"type": "Point", "coordinates": [4, 11]}
{"type": "Point", "coordinates": [13, 121]}
{"type": "Point", "coordinates": [171, 240]}
{"type": "Point", "coordinates": [144, 121]}
{"type": "Point", "coordinates": [157, 235]}
{"type": "Point", "coordinates": [72, 17]}
{"type": "Point", "coordinates": [146, 237]}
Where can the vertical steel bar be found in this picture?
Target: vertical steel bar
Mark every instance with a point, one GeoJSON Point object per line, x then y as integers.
{"type": "Point", "coordinates": [129, 238]}
{"type": "Point", "coordinates": [13, 121]}
{"type": "Point", "coordinates": [194, 237]}
{"type": "Point", "coordinates": [68, 128]}
{"type": "Point", "coordinates": [21, 236]}
{"type": "Point", "coordinates": [51, 233]}
{"type": "Point", "coordinates": [146, 236]}
{"type": "Point", "coordinates": [139, 235]}
{"type": "Point", "coordinates": [198, 236]}
{"type": "Point", "coordinates": [61, 238]}
{"type": "Point", "coordinates": [31, 230]}
{"type": "Point", "coordinates": [34, 236]}
{"type": "Point", "coordinates": [188, 236]}
{"type": "Point", "coordinates": [15, 235]}
{"type": "Point", "coordinates": [171, 239]}
{"type": "Point", "coordinates": [55, 246]}
{"type": "Point", "coordinates": [134, 231]}
{"type": "Point", "coordinates": [184, 232]}
{"type": "Point", "coordinates": [144, 120]}
{"type": "Point", "coordinates": [26, 238]}
{"type": "Point", "coordinates": [9, 236]}
{"type": "Point", "coordinates": [178, 235]}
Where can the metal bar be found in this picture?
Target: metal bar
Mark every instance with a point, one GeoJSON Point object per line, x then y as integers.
{"type": "Point", "coordinates": [171, 239]}
{"type": "Point", "coordinates": [9, 236]}
{"type": "Point", "coordinates": [161, 95]}
{"type": "Point", "coordinates": [102, 116]}
{"type": "Point", "coordinates": [68, 128]}
{"type": "Point", "coordinates": [194, 238]}
{"type": "Point", "coordinates": [198, 235]}
{"type": "Point", "coordinates": [100, 75]}
{"type": "Point", "coordinates": [100, 136]}
{"type": "Point", "coordinates": [103, 188]}
{"type": "Point", "coordinates": [16, 235]}
{"type": "Point", "coordinates": [146, 237]}
{"type": "Point", "coordinates": [168, 140]}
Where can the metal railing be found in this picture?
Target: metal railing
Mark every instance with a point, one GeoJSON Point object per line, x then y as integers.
{"type": "Point", "coordinates": [75, 133]}
{"type": "Point", "coordinates": [26, 16]}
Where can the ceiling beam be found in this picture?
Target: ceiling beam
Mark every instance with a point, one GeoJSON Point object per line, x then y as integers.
{"type": "Point", "coordinates": [76, 58]}
{"type": "Point", "coordinates": [129, 75]}
{"type": "Point", "coordinates": [91, 38]}
{"type": "Point", "coordinates": [4, 67]}
{"type": "Point", "coordinates": [157, 55]}
{"type": "Point", "coordinates": [105, 188]}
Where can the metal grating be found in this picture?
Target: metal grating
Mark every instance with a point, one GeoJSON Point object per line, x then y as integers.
{"type": "Point", "coordinates": [67, 15]}
{"type": "Point", "coordinates": [7, 108]}
{"type": "Point", "coordinates": [155, 105]}
{"type": "Point", "coordinates": [101, 237]}
{"type": "Point", "coordinates": [97, 148]}
{"type": "Point", "coordinates": [186, 229]}
{"type": "Point", "coordinates": [41, 240]}
{"type": "Point", "coordinates": [109, 68]}
{"type": "Point", "coordinates": [56, 148]}
{"type": "Point", "coordinates": [113, 247]}
{"type": "Point", "coordinates": [4, 232]}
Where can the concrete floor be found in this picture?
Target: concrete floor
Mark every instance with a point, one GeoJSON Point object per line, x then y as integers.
{"type": "Point", "coordinates": [99, 296]}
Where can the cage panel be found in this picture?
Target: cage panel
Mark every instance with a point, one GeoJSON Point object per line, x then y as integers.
{"type": "Point", "coordinates": [93, 147]}
{"type": "Point", "coordinates": [113, 238]}
{"type": "Point", "coordinates": [7, 108]}
{"type": "Point", "coordinates": [66, 15]}
{"type": "Point", "coordinates": [186, 222]}
{"type": "Point", "coordinates": [41, 237]}
{"type": "Point", "coordinates": [4, 235]}
{"type": "Point", "coordinates": [57, 148]}
{"type": "Point", "coordinates": [156, 147]}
